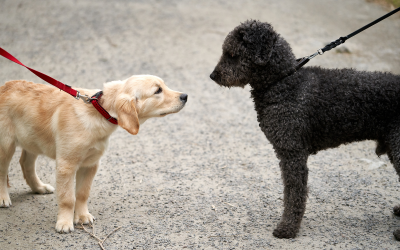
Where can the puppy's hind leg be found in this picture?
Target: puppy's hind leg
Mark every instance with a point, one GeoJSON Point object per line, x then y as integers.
{"type": "Point", "coordinates": [294, 174]}
{"type": "Point", "coordinates": [27, 162]}
{"type": "Point", "coordinates": [84, 179]}
{"type": "Point", "coordinates": [7, 149]}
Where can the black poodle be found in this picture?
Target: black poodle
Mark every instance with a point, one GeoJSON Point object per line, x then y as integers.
{"type": "Point", "coordinates": [310, 110]}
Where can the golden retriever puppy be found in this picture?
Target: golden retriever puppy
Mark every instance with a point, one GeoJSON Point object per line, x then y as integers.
{"type": "Point", "coordinates": [43, 120]}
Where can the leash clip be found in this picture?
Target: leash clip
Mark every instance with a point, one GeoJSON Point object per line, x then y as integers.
{"type": "Point", "coordinates": [85, 98]}
{"type": "Point", "coordinates": [314, 55]}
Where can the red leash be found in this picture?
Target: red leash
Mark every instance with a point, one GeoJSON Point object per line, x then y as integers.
{"type": "Point", "coordinates": [66, 88]}
{"type": "Point", "coordinates": [47, 78]}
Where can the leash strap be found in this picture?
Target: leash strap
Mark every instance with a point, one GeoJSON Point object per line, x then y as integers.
{"type": "Point", "coordinates": [304, 60]}
{"type": "Point", "coordinates": [47, 78]}
{"type": "Point", "coordinates": [66, 88]}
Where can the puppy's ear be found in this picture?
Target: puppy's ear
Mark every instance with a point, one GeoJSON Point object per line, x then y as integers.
{"type": "Point", "coordinates": [127, 115]}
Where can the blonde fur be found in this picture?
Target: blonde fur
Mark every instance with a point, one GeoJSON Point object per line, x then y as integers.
{"type": "Point", "coordinates": [42, 120]}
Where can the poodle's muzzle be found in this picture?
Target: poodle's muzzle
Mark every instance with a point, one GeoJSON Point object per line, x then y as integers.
{"type": "Point", "coordinates": [214, 76]}
{"type": "Point", "coordinates": [217, 78]}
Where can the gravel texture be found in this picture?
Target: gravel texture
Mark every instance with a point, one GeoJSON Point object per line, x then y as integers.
{"type": "Point", "coordinates": [206, 178]}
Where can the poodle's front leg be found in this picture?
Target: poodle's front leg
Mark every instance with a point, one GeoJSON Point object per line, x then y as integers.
{"type": "Point", "coordinates": [294, 174]}
{"type": "Point", "coordinates": [393, 153]}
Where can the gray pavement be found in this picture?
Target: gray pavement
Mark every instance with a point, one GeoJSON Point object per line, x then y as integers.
{"type": "Point", "coordinates": [205, 178]}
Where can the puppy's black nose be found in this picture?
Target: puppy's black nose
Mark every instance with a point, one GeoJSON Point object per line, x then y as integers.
{"type": "Point", "coordinates": [183, 97]}
{"type": "Point", "coordinates": [213, 75]}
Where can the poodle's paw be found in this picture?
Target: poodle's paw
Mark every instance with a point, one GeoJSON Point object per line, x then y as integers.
{"type": "Point", "coordinates": [43, 189]}
{"type": "Point", "coordinates": [396, 210]}
{"type": "Point", "coordinates": [64, 226]}
{"type": "Point", "coordinates": [285, 231]}
{"type": "Point", "coordinates": [396, 234]}
{"type": "Point", "coordinates": [5, 200]}
{"type": "Point", "coordinates": [86, 218]}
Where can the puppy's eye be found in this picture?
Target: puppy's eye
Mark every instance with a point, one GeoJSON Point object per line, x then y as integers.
{"type": "Point", "coordinates": [159, 90]}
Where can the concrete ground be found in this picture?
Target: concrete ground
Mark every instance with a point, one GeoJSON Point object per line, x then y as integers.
{"type": "Point", "coordinates": [205, 178]}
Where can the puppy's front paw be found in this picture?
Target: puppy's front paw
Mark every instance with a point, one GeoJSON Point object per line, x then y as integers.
{"type": "Point", "coordinates": [44, 189]}
{"type": "Point", "coordinates": [285, 232]}
{"type": "Point", "coordinates": [5, 200]}
{"type": "Point", "coordinates": [83, 218]}
{"type": "Point", "coordinates": [64, 227]}
{"type": "Point", "coordinates": [396, 234]}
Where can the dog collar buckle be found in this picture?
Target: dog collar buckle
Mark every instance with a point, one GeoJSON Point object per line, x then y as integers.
{"type": "Point", "coordinates": [85, 98]}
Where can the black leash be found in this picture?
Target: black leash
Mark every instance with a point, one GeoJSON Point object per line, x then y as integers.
{"type": "Point", "coordinates": [304, 60]}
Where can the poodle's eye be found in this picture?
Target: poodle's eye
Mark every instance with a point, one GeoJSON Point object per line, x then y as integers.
{"type": "Point", "coordinates": [159, 90]}
{"type": "Point", "coordinates": [233, 56]}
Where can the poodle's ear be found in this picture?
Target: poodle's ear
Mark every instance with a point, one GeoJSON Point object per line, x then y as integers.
{"type": "Point", "coordinates": [127, 115]}
{"type": "Point", "coordinates": [267, 46]}
{"type": "Point", "coordinates": [260, 39]}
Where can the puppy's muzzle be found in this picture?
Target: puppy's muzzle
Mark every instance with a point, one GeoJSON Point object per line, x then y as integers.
{"type": "Point", "coordinates": [183, 98]}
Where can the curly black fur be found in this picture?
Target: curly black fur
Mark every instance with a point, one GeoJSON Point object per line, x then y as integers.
{"type": "Point", "coordinates": [311, 110]}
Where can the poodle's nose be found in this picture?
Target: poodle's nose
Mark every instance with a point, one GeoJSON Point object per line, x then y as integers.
{"type": "Point", "coordinates": [213, 76]}
{"type": "Point", "coordinates": [183, 98]}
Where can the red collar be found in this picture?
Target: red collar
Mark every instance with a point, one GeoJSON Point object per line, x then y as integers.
{"type": "Point", "coordinates": [95, 102]}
